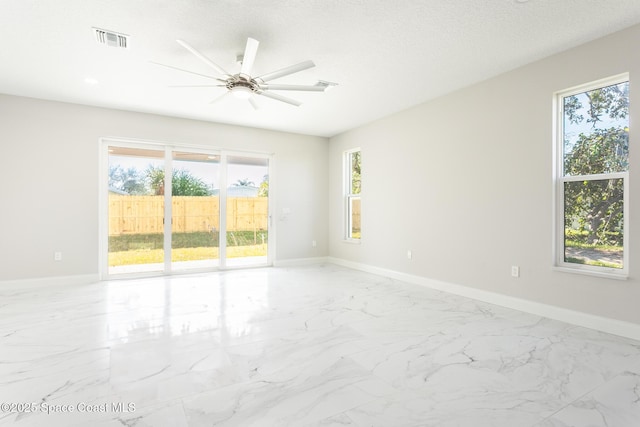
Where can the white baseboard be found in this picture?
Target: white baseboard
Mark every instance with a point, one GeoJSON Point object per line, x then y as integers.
{"type": "Point", "coordinates": [43, 282]}
{"type": "Point", "coordinates": [296, 262]}
{"type": "Point", "coordinates": [604, 324]}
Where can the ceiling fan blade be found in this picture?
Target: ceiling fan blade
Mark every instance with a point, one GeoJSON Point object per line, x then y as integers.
{"type": "Point", "coordinates": [187, 71]}
{"type": "Point", "coordinates": [281, 98]}
{"type": "Point", "coordinates": [286, 71]}
{"type": "Point", "coordinates": [254, 103]}
{"type": "Point", "coordinates": [202, 57]}
{"type": "Point", "coordinates": [220, 98]}
{"type": "Point", "coordinates": [197, 86]}
{"type": "Point", "coordinates": [249, 56]}
{"type": "Point", "coordinates": [294, 87]}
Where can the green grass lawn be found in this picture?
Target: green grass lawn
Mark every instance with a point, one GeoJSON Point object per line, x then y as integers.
{"type": "Point", "coordinates": [595, 250]}
{"type": "Point", "coordinates": [592, 262]}
{"type": "Point", "coordinates": [608, 248]}
{"type": "Point", "coordinates": [197, 239]}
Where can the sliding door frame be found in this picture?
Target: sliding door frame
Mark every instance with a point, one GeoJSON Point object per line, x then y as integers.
{"type": "Point", "coordinates": [169, 148]}
{"type": "Point", "coordinates": [224, 185]}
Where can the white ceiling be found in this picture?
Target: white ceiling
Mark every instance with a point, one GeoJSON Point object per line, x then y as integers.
{"type": "Point", "coordinates": [386, 55]}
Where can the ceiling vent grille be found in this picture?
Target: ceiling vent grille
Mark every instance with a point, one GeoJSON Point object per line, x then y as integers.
{"type": "Point", "coordinates": [111, 38]}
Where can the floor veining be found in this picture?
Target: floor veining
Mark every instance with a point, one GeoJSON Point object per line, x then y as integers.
{"type": "Point", "coordinates": [317, 345]}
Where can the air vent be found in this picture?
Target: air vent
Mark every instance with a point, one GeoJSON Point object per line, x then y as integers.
{"type": "Point", "coordinates": [111, 38]}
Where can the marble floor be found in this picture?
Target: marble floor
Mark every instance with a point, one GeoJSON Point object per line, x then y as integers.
{"type": "Point", "coordinates": [306, 346]}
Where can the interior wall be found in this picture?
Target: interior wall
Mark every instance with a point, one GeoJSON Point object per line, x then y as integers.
{"type": "Point", "coordinates": [49, 181]}
{"type": "Point", "coordinates": [465, 183]}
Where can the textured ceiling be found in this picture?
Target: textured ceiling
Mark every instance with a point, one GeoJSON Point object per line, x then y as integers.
{"type": "Point", "coordinates": [385, 55]}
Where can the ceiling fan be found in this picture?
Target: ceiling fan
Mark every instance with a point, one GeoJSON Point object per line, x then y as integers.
{"type": "Point", "coordinates": [243, 86]}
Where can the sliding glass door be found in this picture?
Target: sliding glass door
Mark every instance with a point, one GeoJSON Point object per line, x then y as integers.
{"type": "Point", "coordinates": [247, 210]}
{"type": "Point", "coordinates": [172, 209]}
{"type": "Point", "coordinates": [195, 210]}
{"type": "Point", "coordinates": [135, 211]}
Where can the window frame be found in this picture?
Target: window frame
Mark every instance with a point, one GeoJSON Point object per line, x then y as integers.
{"type": "Point", "coordinates": [559, 180]}
{"type": "Point", "coordinates": [349, 196]}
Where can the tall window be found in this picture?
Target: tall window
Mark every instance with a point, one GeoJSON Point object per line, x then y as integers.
{"type": "Point", "coordinates": [352, 193]}
{"type": "Point", "coordinates": [592, 177]}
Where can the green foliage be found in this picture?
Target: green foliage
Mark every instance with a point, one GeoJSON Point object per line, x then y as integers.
{"type": "Point", "coordinates": [185, 184]}
{"type": "Point", "coordinates": [263, 191]}
{"type": "Point", "coordinates": [579, 239]}
{"type": "Point", "coordinates": [594, 208]}
{"type": "Point", "coordinates": [151, 181]}
{"type": "Point", "coordinates": [601, 151]}
{"type": "Point", "coordinates": [244, 183]}
{"type": "Point", "coordinates": [611, 102]}
{"type": "Point", "coordinates": [155, 179]}
{"type": "Point", "coordinates": [356, 164]}
{"type": "Point", "coordinates": [128, 180]}
{"type": "Point", "coordinates": [182, 182]}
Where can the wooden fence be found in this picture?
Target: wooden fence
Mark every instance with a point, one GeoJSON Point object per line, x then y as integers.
{"type": "Point", "coordinates": [355, 214]}
{"type": "Point", "coordinates": [145, 214]}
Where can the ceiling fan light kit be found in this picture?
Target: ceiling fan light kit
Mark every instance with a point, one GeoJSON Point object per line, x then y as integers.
{"type": "Point", "coordinates": [241, 92]}
{"type": "Point", "coordinates": [243, 86]}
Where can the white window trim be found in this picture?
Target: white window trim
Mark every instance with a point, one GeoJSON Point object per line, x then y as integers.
{"type": "Point", "coordinates": [346, 168]}
{"type": "Point", "coordinates": [558, 190]}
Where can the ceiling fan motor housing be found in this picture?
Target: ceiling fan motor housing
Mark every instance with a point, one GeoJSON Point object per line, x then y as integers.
{"type": "Point", "coordinates": [238, 81]}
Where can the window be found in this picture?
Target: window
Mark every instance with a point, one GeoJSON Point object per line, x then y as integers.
{"type": "Point", "coordinates": [592, 167]}
{"type": "Point", "coordinates": [352, 193]}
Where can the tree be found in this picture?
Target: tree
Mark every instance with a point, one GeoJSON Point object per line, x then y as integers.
{"type": "Point", "coordinates": [155, 179]}
{"type": "Point", "coordinates": [131, 181]}
{"type": "Point", "coordinates": [182, 182]}
{"type": "Point", "coordinates": [244, 183]}
{"type": "Point", "coordinates": [355, 172]}
{"type": "Point", "coordinates": [263, 191]}
{"type": "Point", "coordinates": [596, 206]}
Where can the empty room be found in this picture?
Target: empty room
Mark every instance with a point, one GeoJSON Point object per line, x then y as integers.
{"type": "Point", "coordinates": [320, 213]}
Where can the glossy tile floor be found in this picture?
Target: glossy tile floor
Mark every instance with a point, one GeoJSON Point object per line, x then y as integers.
{"type": "Point", "coordinates": [306, 346]}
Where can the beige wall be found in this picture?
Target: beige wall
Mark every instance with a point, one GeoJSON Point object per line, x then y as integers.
{"type": "Point", "coordinates": [474, 170]}
{"type": "Point", "coordinates": [49, 163]}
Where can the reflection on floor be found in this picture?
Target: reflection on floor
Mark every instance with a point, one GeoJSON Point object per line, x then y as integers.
{"type": "Point", "coordinates": [305, 346]}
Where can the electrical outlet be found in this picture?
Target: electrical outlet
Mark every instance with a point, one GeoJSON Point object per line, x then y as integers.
{"type": "Point", "coordinates": [409, 254]}
{"type": "Point", "coordinates": [313, 244]}
{"type": "Point", "coordinates": [57, 256]}
{"type": "Point", "coordinates": [515, 271]}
